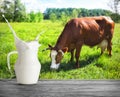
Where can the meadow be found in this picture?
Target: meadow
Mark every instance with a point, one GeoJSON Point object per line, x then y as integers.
{"type": "Point", "coordinates": [92, 64]}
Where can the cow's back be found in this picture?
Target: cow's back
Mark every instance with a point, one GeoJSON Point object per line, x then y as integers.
{"type": "Point", "coordinates": [90, 30]}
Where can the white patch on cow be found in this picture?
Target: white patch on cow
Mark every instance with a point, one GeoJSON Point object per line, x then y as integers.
{"type": "Point", "coordinates": [103, 45]}
{"type": "Point", "coordinates": [53, 63]}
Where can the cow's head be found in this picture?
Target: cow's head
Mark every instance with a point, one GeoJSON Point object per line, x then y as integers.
{"type": "Point", "coordinates": [56, 56]}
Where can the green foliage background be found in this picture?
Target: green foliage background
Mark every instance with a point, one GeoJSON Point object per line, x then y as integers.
{"type": "Point", "coordinates": [92, 65]}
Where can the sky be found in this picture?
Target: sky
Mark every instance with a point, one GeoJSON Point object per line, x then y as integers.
{"type": "Point", "coordinates": [41, 5]}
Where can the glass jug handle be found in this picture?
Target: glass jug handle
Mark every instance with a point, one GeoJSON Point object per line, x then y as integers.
{"type": "Point", "coordinates": [8, 59]}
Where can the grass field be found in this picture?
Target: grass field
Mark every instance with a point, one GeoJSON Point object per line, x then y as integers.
{"type": "Point", "coordinates": [93, 66]}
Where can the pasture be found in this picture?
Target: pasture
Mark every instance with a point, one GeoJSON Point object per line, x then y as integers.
{"type": "Point", "coordinates": [92, 64]}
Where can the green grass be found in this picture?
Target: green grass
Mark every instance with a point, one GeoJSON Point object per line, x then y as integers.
{"type": "Point", "coordinates": [92, 65]}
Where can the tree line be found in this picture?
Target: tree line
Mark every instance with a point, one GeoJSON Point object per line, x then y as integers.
{"type": "Point", "coordinates": [15, 11]}
{"type": "Point", "coordinates": [65, 14]}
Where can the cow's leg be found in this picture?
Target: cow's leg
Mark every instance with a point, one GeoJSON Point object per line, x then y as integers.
{"type": "Point", "coordinates": [72, 55]}
{"type": "Point", "coordinates": [77, 54]}
{"type": "Point", "coordinates": [109, 48]}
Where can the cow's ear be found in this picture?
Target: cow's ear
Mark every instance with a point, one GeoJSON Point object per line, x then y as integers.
{"type": "Point", "coordinates": [65, 49]}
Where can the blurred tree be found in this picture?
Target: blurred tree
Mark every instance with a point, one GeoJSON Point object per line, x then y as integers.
{"type": "Point", "coordinates": [19, 11]}
{"type": "Point", "coordinates": [66, 13]}
{"type": "Point", "coordinates": [64, 18]}
{"type": "Point", "coordinates": [6, 8]}
{"type": "Point", "coordinates": [74, 13]}
{"type": "Point", "coordinates": [38, 17]}
{"type": "Point", "coordinates": [32, 16]}
{"type": "Point", "coordinates": [84, 12]}
{"type": "Point", "coordinates": [53, 17]}
{"type": "Point", "coordinates": [14, 10]}
{"type": "Point", "coordinates": [114, 5]}
{"type": "Point", "coordinates": [115, 17]}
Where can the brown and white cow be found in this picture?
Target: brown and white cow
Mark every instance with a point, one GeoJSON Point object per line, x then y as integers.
{"type": "Point", "coordinates": [77, 32]}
